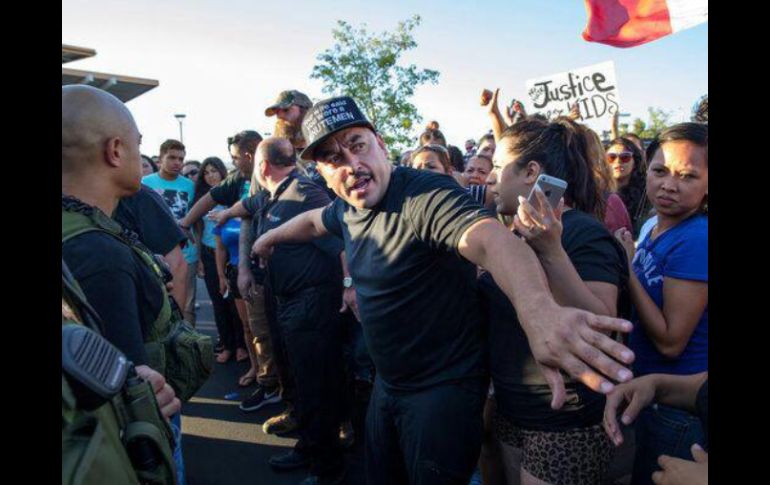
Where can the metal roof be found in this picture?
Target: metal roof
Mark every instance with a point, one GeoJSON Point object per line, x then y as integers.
{"type": "Point", "coordinates": [71, 53]}
{"type": "Point", "coordinates": [124, 88]}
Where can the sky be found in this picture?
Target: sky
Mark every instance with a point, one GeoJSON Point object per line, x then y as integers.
{"type": "Point", "coordinates": [223, 62]}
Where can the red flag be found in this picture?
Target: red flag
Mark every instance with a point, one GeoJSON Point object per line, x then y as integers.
{"type": "Point", "coordinates": [628, 23]}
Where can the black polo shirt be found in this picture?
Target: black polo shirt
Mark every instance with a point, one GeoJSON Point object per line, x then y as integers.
{"type": "Point", "coordinates": [415, 293]}
{"type": "Point", "coordinates": [295, 267]}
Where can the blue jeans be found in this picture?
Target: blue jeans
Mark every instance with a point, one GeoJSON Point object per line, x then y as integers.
{"type": "Point", "coordinates": [176, 426]}
{"type": "Point", "coordinates": [663, 430]}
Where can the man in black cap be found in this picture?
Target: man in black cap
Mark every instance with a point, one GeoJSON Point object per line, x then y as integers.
{"type": "Point", "coordinates": [412, 240]}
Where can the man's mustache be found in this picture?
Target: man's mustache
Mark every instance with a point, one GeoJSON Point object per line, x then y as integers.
{"type": "Point", "coordinates": [355, 177]}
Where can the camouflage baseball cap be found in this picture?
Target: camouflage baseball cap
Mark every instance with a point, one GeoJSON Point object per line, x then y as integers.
{"type": "Point", "coordinates": [328, 117]}
{"type": "Point", "coordinates": [288, 98]}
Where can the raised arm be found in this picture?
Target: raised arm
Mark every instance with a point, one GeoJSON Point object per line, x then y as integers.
{"type": "Point", "coordinates": [564, 338]}
{"type": "Point", "coordinates": [614, 132]}
{"type": "Point", "coordinates": [493, 110]}
{"type": "Point", "coordinates": [542, 229]}
{"type": "Point", "coordinates": [302, 228]}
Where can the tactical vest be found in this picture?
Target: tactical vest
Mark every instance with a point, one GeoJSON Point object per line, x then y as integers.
{"type": "Point", "coordinates": [174, 348]}
{"type": "Point", "coordinates": [110, 439]}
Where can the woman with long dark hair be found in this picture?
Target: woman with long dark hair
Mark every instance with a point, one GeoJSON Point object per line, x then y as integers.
{"type": "Point", "coordinates": [629, 171]}
{"type": "Point", "coordinates": [231, 339]}
{"type": "Point", "coordinates": [585, 269]}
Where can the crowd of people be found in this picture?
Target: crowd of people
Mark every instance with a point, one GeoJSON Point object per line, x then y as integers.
{"type": "Point", "coordinates": [487, 326]}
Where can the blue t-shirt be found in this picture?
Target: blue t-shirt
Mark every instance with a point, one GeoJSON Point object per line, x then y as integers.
{"type": "Point", "coordinates": [230, 232]}
{"type": "Point", "coordinates": [207, 238]}
{"type": "Point", "coordinates": [682, 253]}
{"type": "Point", "coordinates": [178, 195]}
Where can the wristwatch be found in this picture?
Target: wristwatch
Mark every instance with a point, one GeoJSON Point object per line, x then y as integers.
{"type": "Point", "coordinates": [347, 282]}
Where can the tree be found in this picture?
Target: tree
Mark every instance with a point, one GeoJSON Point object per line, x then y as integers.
{"type": "Point", "coordinates": [365, 66]}
{"type": "Point", "coordinates": [658, 121]}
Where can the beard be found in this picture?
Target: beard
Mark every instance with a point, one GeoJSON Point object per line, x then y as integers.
{"type": "Point", "coordinates": [292, 132]}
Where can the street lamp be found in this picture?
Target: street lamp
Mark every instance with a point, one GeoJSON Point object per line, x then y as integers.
{"type": "Point", "coordinates": [180, 117]}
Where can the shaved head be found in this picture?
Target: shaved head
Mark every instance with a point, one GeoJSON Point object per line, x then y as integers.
{"type": "Point", "coordinates": [100, 157]}
{"type": "Point", "coordinates": [90, 118]}
{"type": "Point", "coordinates": [277, 151]}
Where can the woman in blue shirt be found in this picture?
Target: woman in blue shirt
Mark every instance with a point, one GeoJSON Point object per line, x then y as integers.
{"type": "Point", "coordinates": [669, 288]}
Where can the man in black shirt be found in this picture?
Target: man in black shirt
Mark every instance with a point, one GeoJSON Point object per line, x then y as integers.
{"type": "Point", "coordinates": [305, 279]}
{"type": "Point", "coordinates": [98, 173]}
{"type": "Point", "coordinates": [412, 239]}
{"type": "Point", "coordinates": [236, 185]}
{"type": "Point", "coordinates": [147, 214]}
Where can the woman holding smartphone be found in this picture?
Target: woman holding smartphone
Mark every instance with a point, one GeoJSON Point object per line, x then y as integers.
{"type": "Point", "coordinates": [585, 268]}
{"type": "Point", "coordinates": [669, 288]}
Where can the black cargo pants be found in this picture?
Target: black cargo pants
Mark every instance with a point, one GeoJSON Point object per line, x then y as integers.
{"type": "Point", "coordinates": [309, 323]}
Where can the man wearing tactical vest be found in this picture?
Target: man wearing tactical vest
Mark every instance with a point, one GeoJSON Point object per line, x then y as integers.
{"type": "Point", "coordinates": [121, 415]}
{"type": "Point", "coordinates": [121, 278]}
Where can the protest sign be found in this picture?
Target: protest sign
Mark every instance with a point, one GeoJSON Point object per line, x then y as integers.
{"type": "Point", "coordinates": [594, 88]}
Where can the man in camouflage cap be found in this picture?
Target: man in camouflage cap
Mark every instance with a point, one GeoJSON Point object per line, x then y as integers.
{"type": "Point", "coordinates": [289, 108]}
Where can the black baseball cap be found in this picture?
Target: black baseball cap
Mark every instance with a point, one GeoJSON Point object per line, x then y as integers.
{"type": "Point", "coordinates": [326, 118]}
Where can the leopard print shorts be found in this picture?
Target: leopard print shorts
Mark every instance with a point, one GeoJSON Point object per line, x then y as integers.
{"type": "Point", "coordinates": [577, 456]}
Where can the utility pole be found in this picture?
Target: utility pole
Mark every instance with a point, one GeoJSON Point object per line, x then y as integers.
{"type": "Point", "coordinates": [180, 117]}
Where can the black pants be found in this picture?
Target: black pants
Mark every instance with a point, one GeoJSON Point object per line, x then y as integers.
{"type": "Point", "coordinates": [310, 329]}
{"type": "Point", "coordinates": [283, 368]}
{"type": "Point", "coordinates": [225, 314]}
{"type": "Point", "coordinates": [432, 436]}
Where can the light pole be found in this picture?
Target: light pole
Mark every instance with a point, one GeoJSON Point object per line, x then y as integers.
{"type": "Point", "coordinates": [180, 117]}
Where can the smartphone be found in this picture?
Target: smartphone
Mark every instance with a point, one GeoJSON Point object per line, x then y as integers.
{"type": "Point", "coordinates": [552, 187]}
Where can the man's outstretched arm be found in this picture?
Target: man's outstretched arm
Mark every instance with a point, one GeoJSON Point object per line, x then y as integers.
{"type": "Point", "coordinates": [302, 228]}
{"type": "Point", "coordinates": [196, 212]}
{"type": "Point", "coordinates": [564, 338]}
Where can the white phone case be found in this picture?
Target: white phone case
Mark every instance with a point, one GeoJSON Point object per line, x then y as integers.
{"type": "Point", "coordinates": [552, 187]}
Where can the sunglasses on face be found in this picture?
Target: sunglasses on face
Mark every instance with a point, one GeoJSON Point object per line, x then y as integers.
{"type": "Point", "coordinates": [191, 173]}
{"type": "Point", "coordinates": [624, 157]}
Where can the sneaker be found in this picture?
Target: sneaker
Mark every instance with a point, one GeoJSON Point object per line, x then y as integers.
{"type": "Point", "coordinates": [260, 398]}
{"type": "Point", "coordinates": [347, 435]}
{"type": "Point", "coordinates": [282, 424]}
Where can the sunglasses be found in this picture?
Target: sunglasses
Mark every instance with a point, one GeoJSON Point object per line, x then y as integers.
{"type": "Point", "coordinates": [624, 157]}
{"type": "Point", "coordinates": [191, 173]}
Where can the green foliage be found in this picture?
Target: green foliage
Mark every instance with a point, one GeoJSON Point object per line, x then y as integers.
{"type": "Point", "coordinates": [659, 120]}
{"type": "Point", "coordinates": [365, 66]}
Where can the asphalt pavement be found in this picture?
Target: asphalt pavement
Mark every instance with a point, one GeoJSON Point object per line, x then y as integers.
{"type": "Point", "coordinates": [224, 446]}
